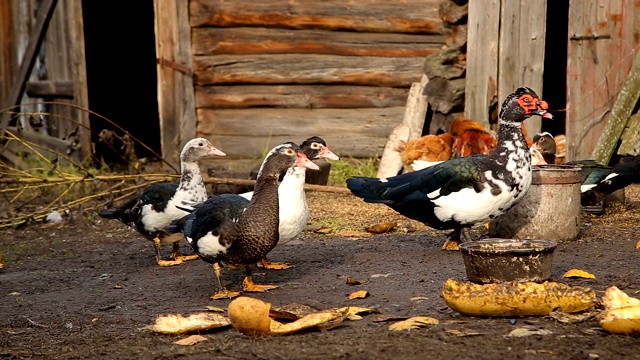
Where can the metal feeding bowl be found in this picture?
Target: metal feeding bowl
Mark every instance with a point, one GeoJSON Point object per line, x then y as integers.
{"type": "Point", "coordinates": [506, 260]}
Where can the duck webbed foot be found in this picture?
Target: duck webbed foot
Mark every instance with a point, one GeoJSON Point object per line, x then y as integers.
{"type": "Point", "coordinates": [163, 262]}
{"type": "Point", "coordinates": [249, 286]}
{"type": "Point", "coordinates": [177, 255]}
{"type": "Point", "coordinates": [453, 242]}
{"type": "Point", "coordinates": [264, 263]}
{"type": "Point", "coordinates": [223, 293]}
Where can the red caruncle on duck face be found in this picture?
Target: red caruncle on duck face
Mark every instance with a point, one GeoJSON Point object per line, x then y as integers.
{"type": "Point", "coordinates": [531, 104]}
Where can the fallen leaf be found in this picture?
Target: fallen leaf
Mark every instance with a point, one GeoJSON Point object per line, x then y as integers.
{"type": "Point", "coordinates": [352, 281]}
{"type": "Point", "coordinates": [567, 318]}
{"type": "Point", "coordinates": [460, 333]}
{"type": "Point", "coordinates": [385, 318]}
{"type": "Point", "coordinates": [291, 311]}
{"type": "Point", "coordinates": [413, 323]}
{"type": "Point", "coordinates": [15, 293]}
{"type": "Point", "coordinates": [381, 228]}
{"type": "Point", "coordinates": [178, 324]}
{"type": "Point", "coordinates": [357, 310]}
{"type": "Point", "coordinates": [521, 332]}
{"type": "Point", "coordinates": [578, 273]}
{"type": "Point", "coordinates": [117, 286]}
{"type": "Point", "coordinates": [380, 275]}
{"type": "Point", "coordinates": [352, 233]}
{"type": "Point", "coordinates": [323, 230]}
{"type": "Point", "coordinates": [638, 245]}
{"type": "Point", "coordinates": [359, 294]}
{"type": "Point", "coordinates": [214, 308]}
{"type": "Point", "coordinates": [418, 298]}
{"type": "Point", "coordinates": [191, 340]}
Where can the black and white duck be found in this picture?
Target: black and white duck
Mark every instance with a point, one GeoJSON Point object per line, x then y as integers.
{"type": "Point", "coordinates": [226, 231]}
{"type": "Point", "coordinates": [294, 210]}
{"type": "Point", "coordinates": [156, 207]}
{"type": "Point", "coordinates": [459, 193]}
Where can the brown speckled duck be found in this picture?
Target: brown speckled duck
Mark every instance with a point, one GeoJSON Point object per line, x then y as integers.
{"type": "Point", "coordinates": [228, 230]}
{"type": "Point", "coordinates": [156, 207]}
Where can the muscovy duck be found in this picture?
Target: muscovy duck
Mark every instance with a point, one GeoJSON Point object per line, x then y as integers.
{"type": "Point", "coordinates": [294, 210]}
{"type": "Point", "coordinates": [545, 143]}
{"type": "Point", "coordinates": [458, 193]}
{"type": "Point", "coordinates": [228, 230]}
{"type": "Point", "coordinates": [604, 180]}
{"type": "Point", "coordinates": [156, 207]}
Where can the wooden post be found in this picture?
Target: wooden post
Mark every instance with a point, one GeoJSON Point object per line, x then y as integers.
{"type": "Point", "coordinates": [411, 128]}
{"type": "Point", "coordinates": [521, 52]}
{"type": "Point", "coordinates": [176, 99]}
{"type": "Point", "coordinates": [625, 102]}
{"type": "Point", "coordinates": [482, 58]}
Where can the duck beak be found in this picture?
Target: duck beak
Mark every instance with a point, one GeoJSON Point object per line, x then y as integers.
{"type": "Point", "coordinates": [542, 110]}
{"type": "Point", "coordinates": [303, 161]}
{"type": "Point", "coordinates": [213, 151]}
{"type": "Point", "coordinates": [328, 154]}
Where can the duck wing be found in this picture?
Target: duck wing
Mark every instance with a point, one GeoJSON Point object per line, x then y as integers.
{"type": "Point", "coordinates": [157, 195]}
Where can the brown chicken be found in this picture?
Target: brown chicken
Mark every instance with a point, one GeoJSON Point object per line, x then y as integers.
{"type": "Point", "coordinates": [470, 138]}
{"type": "Point", "coordinates": [427, 149]}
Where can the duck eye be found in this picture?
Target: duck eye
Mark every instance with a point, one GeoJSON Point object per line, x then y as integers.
{"type": "Point", "coordinates": [290, 152]}
{"type": "Point", "coordinates": [200, 144]}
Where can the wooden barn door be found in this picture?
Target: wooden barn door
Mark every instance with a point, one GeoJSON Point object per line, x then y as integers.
{"type": "Point", "coordinates": [602, 44]}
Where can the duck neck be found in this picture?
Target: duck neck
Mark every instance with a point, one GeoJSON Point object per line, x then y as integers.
{"type": "Point", "coordinates": [510, 136]}
{"type": "Point", "coordinates": [191, 180]}
{"type": "Point", "coordinates": [265, 204]}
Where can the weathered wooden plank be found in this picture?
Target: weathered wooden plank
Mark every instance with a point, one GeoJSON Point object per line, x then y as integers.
{"type": "Point", "coordinates": [248, 133]}
{"type": "Point", "coordinates": [482, 58]}
{"type": "Point", "coordinates": [45, 12]}
{"type": "Point", "coordinates": [176, 100]}
{"type": "Point", "coordinates": [625, 103]}
{"type": "Point", "coordinates": [307, 69]}
{"type": "Point", "coordinates": [299, 96]}
{"type": "Point", "coordinates": [61, 89]}
{"type": "Point", "coordinates": [521, 50]}
{"type": "Point", "coordinates": [8, 49]}
{"type": "Point", "coordinates": [414, 16]}
{"type": "Point", "coordinates": [630, 144]}
{"type": "Point", "coordinates": [214, 40]}
{"type": "Point", "coordinates": [601, 49]}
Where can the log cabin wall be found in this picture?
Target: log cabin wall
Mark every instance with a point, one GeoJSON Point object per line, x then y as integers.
{"type": "Point", "coordinates": [269, 72]}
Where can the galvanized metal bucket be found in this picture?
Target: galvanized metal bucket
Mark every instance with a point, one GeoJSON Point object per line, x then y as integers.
{"type": "Point", "coordinates": [550, 209]}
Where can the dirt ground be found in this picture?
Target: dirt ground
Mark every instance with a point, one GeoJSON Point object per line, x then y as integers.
{"type": "Point", "coordinates": [87, 289]}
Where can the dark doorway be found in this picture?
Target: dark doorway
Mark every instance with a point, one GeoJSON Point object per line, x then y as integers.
{"type": "Point", "coordinates": [121, 69]}
{"type": "Point", "coordinates": [555, 65]}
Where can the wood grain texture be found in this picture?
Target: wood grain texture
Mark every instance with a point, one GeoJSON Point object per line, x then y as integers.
{"type": "Point", "coordinates": [307, 69]}
{"type": "Point", "coordinates": [521, 50]}
{"type": "Point", "coordinates": [597, 69]}
{"type": "Point", "coordinates": [259, 40]}
{"type": "Point", "coordinates": [299, 96]}
{"type": "Point", "coordinates": [248, 133]}
{"type": "Point", "coordinates": [408, 16]}
{"type": "Point", "coordinates": [482, 58]}
{"type": "Point", "coordinates": [176, 99]}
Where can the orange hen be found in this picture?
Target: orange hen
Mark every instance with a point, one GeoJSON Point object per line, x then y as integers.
{"type": "Point", "coordinates": [470, 138]}
{"type": "Point", "coordinates": [429, 148]}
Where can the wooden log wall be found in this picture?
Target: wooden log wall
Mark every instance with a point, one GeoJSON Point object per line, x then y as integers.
{"type": "Point", "coordinates": [268, 72]}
